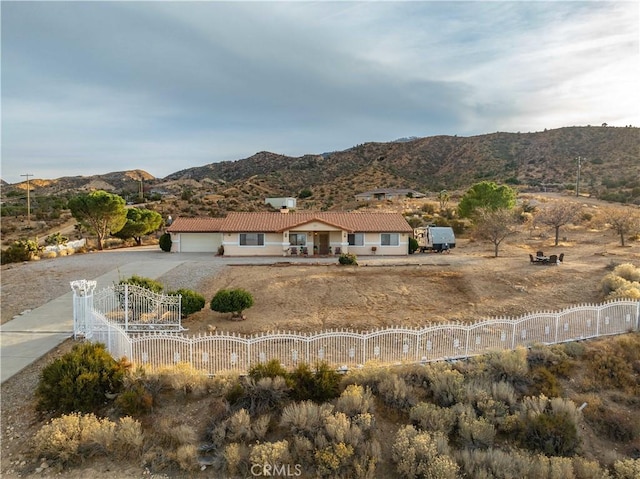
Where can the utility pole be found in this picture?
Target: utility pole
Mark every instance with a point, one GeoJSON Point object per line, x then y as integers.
{"type": "Point", "coordinates": [28, 200]}
{"type": "Point", "coordinates": [578, 179]}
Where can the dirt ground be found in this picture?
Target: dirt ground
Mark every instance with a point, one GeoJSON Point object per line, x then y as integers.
{"type": "Point", "coordinates": [467, 285]}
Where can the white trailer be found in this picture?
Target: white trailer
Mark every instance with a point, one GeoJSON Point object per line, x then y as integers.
{"type": "Point", "coordinates": [435, 238]}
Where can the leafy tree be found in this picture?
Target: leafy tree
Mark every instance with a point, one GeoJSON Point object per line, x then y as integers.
{"type": "Point", "coordinates": [413, 245]}
{"type": "Point", "coordinates": [495, 225]}
{"type": "Point", "coordinates": [558, 215]}
{"type": "Point", "coordinates": [623, 221]}
{"type": "Point", "coordinates": [140, 221]}
{"type": "Point", "coordinates": [305, 193]}
{"type": "Point", "coordinates": [232, 301]}
{"type": "Point", "coordinates": [487, 195]}
{"type": "Point", "coordinates": [100, 212]}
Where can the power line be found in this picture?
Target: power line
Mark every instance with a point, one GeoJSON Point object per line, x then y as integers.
{"type": "Point", "coordinates": [28, 175]}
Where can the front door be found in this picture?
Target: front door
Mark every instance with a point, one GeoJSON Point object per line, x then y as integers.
{"type": "Point", "coordinates": [323, 239]}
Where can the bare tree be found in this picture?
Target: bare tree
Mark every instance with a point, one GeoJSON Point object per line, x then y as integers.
{"type": "Point", "coordinates": [558, 214]}
{"type": "Point", "coordinates": [495, 225]}
{"type": "Point", "coordinates": [624, 221]}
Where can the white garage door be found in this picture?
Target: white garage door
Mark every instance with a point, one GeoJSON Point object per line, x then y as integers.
{"type": "Point", "coordinates": [200, 242]}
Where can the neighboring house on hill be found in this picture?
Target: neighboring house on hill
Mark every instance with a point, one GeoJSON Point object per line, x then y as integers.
{"type": "Point", "coordinates": [388, 194]}
{"type": "Point", "coordinates": [281, 234]}
{"type": "Point", "coordinates": [278, 203]}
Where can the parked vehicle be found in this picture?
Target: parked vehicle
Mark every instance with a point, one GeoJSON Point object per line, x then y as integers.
{"type": "Point", "coordinates": [435, 238]}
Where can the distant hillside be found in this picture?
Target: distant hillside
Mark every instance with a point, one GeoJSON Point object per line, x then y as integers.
{"type": "Point", "coordinates": [610, 169]}
{"type": "Point", "coordinates": [610, 165]}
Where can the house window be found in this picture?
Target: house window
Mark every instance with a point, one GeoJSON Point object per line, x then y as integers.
{"type": "Point", "coordinates": [297, 239]}
{"type": "Point", "coordinates": [389, 239]}
{"type": "Point", "coordinates": [251, 239]}
{"type": "Point", "coordinates": [356, 239]}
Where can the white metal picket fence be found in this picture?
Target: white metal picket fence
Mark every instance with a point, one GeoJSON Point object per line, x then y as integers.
{"type": "Point", "coordinates": [218, 352]}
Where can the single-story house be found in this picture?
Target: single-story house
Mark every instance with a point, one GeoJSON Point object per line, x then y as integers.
{"type": "Point", "coordinates": [388, 194]}
{"type": "Point", "coordinates": [293, 233]}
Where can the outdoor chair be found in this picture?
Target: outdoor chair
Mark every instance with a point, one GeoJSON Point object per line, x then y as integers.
{"type": "Point", "coordinates": [531, 258]}
{"type": "Point", "coordinates": [294, 251]}
{"type": "Point", "coordinates": [304, 251]}
{"type": "Point", "coordinates": [338, 250]}
{"type": "Point", "coordinates": [553, 259]}
{"type": "Point", "coordinates": [539, 254]}
{"type": "Point", "coordinates": [561, 257]}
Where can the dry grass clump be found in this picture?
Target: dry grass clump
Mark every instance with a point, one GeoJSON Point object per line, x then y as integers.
{"type": "Point", "coordinates": [423, 454]}
{"type": "Point", "coordinates": [622, 282]}
{"type": "Point", "coordinates": [72, 437]}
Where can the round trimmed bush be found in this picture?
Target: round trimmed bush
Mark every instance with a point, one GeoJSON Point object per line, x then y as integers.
{"type": "Point", "coordinates": [232, 301]}
{"type": "Point", "coordinates": [191, 301]}
{"type": "Point", "coordinates": [165, 242]}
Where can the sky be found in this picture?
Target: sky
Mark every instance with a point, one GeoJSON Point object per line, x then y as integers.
{"type": "Point", "coordinates": [94, 87]}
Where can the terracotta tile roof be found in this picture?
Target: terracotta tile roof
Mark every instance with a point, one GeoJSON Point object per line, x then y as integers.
{"type": "Point", "coordinates": [195, 225]}
{"type": "Point", "coordinates": [276, 222]}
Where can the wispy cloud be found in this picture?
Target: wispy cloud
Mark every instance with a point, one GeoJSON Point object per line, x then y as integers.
{"type": "Point", "coordinates": [92, 87]}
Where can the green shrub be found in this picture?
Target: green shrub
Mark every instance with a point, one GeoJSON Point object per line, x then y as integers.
{"type": "Point", "coordinates": [165, 242]}
{"type": "Point", "coordinates": [135, 401]}
{"type": "Point", "coordinates": [326, 383]}
{"type": "Point", "coordinates": [348, 258]}
{"type": "Point", "coordinates": [191, 301]}
{"type": "Point", "coordinates": [56, 239]}
{"type": "Point", "coordinates": [413, 245]}
{"type": "Point", "coordinates": [261, 396]}
{"type": "Point", "coordinates": [232, 301]}
{"type": "Point", "coordinates": [270, 369]}
{"type": "Point", "coordinates": [79, 380]}
{"type": "Point", "coordinates": [147, 283]}
{"type": "Point", "coordinates": [553, 434]}
{"type": "Point", "coordinates": [22, 250]}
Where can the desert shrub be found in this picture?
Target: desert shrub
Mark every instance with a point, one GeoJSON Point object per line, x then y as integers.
{"type": "Point", "coordinates": [574, 349]}
{"type": "Point", "coordinates": [553, 434]}
{"type": "Point", "coordinates": [348, 258]}
{"type": "Point", "coordinates": [554, 358]}
{"type": "Point", "coordinates": [446, 384]}
{"type": "Point", "coordinates": [422, 455]}
{"type": "Point", "coordinates": [627, 271]}
{"type": "Point", "coordinates": [70, 438]}
{"type": "Point", "coordinates": [22, 250]}
{"type": "Point", "coordinates": [172, 434]}
{"type": "Point", "coordinates": [79, 380]}
{"type": "Point", "coordinates": [191, 301]}
{"type": "Point", "coordinates": [232, 301]}
{"type": "Point", "coordinates": [544, 382]}
{"type": "Point", "coordinates": [270, 453]}
{"type": "Point", "coordinates": [610, 423]}
{"type": "Point", "coordinates": [475, 433]}
{"type": "Point", "coordinates": [135, 400]}
{"type": "Point", "coordinates": [394, 392]}
{"type": "Point", "coordinates": [510, 366]}
{"type": "Point", "coordinates": [320, 385]}
{"type": "Point", "coordinates": [183, 377]}
{"type": "Point", "coordinates": [611, 367]}
{"type": "Point", "coordinates": [430, 417]}
{"type": "Point", "coordinates": [270, 369]}
{"type": "Point", "coordinates": [585, 469]}
{"type": "Point", "coordinates": [239, 426]}
{"type": "Point", "coordinates": [305, 418]}
{"type": "Point", "coordinates": [495, 463]}
{"type": "Point", "coordinates": [147, 283]}
{"type": "Point", "coordinates": [236, 459]}
{"type": "Point", "coordinates": [262, 396]}
{"type": "Point", "coordinates": [186, 456]}
{"type": "Point", "coordinates": [355, 400]}
{"type": "Point", "coordinates": [626, 469]}
{"type": "Point", "coordinates": [333, 459]}
{"type": "Point", "coordinates": [56, 239]}
{"type": "Point", "coordinates": [165, 242]}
